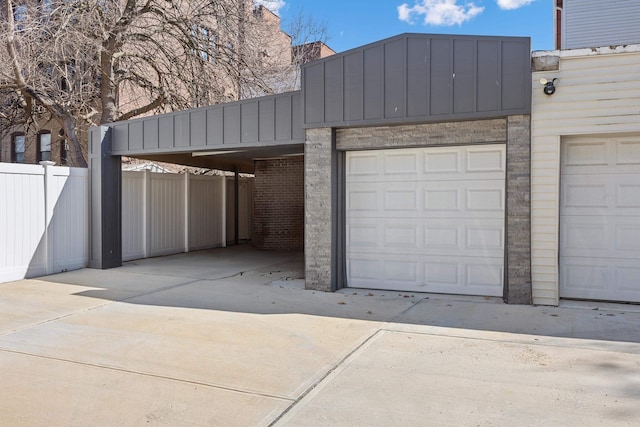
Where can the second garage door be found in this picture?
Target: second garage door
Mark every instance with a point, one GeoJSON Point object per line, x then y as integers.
{"type": "Point", "coordinates": [600, 218]}
{"type": "Point", "coordinates": [426, 220]}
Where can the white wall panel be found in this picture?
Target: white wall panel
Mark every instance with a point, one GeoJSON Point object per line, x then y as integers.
{"type": "Point", "coordinates": [206, 212]}
{"type": "Point", "coordinates": [70, 222]}
{"type": "Point", "coordinates": [167, 214]}
{"type": "Point", "coordinates": [43, 220]}
{"type": "Point", "coordinates": [596, 95]}
{"type": "Point", "coordinates": [133, 215]}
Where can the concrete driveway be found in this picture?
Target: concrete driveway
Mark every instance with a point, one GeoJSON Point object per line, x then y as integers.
{"type": "Point", "coordinates": [229, 337]}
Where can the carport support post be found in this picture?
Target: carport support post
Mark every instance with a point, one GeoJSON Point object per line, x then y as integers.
{"type": "Point", "coordinates": [105, 198]}
{"type": "Point", "coordinates": [319, 210]}
{"type": "Point", "coordinates": [518, 288]}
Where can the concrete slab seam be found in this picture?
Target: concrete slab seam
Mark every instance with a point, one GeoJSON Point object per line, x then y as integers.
{"type": "Point", "coordinates": [151, 375]}
{"type": "Point", "coordinates": [47, 321]}
{"type": "Point", "coordinates": [580, 343]}
{"type": "Point", "coordinates": [337, 368]}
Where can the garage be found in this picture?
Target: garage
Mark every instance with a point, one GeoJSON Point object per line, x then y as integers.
{"type": "Point", "coordinates": [413, 153]}
{"type": "Point", "coordinates": [600, 218]}
{"type": "Point", "coordinates": [426, 219]}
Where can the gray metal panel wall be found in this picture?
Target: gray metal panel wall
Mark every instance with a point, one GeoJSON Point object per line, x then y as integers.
{"type": "Point", "coordinates": [419, 78]}
{"type": "Point", "coordinates": [264, 121]}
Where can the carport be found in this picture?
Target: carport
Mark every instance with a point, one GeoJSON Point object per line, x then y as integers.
{"type": "Point", "coordinates": [416, 164]}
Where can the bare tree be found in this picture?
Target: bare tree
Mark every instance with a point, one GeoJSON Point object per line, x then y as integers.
{"type": "Point", "coordinates": [87, 62]}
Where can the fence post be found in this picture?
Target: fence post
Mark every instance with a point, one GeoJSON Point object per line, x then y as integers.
{"type": "Point", "coordinates": [187, 199]}
{"type": "Point", "coordinates": [146, 213]}
{"type": "Point", "coordinates": [49, 205]}
{"type": "Point", "coordinates": [223, 210]}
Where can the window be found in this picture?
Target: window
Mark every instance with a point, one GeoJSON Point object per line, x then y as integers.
{"type": "Point", "coordinates": [205, 43]}
{"type": "Point", "coordinates": [44, 146]}
{"type": "Point", "coordinates": [17, 148]}
{"type": "Point", "coordinates": [64, 151]}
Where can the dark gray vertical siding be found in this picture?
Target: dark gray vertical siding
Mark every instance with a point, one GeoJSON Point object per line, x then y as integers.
{"type": "Point", "coordinates": [418, 65]}
{"type": "Point", "coordinates": [165, 126]}
{"type": "Point", "coordinates": [464, 76]}
{"type": "Point", "coordinates": [440, 101]}
{"type": "Point", "coordinates": [419, 78]}
{"type": "Point", "coordinates": [373, 81]}
{"type": "Point", "coordinates": [120, 136]}
{"type": "Point", "coordinates": [198, 126]}
{"type": "Point", "coordinates": [215, 126]}
{"type": "Point", "coordinates": [283, 119]}
{"type": "Point", "coordinates": [182, 131]}
{"type": "Point", "coordinates": [314, 96]}
{"type": "Point", "coordinates": [135, 136]}
{"type": "Point", "coordinates": [249, 122]}
{"type": "Point", "coordinates": [297, 131]}
{"type": "Point", "coordinates": [489, 76]}
{"type": "Point", "coordinates": [394, 79]}
{"type": "Point", "coordinates": [264, 121]}
{"type": "Point", "coordinates": [353, 86]}
{"type": "Point", "coordinates": [333, 107]}
{"type": "Point", "coordinates": [267, 111]}
{"type": "Point", "coordinates": [150, 130]}
{"type": "Point", "coordinates": [231, 130]}
{"type": "Point", "coordinates": [514, 95]}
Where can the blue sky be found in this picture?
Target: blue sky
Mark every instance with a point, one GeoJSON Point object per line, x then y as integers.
{"type": "Point", "coordinates": [352, 23]}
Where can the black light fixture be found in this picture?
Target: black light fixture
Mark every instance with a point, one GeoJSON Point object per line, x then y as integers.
{"type": "Point", "coordinates": [549, 88]}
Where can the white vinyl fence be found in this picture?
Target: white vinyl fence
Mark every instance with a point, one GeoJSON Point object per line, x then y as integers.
{"type": "Point", "coordinates": [166, 213]}
{"type": "Point", "coordinates": [43, 220]}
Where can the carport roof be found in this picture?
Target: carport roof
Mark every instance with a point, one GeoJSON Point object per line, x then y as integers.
{"type": "Point", "coordinates": [410, 78]}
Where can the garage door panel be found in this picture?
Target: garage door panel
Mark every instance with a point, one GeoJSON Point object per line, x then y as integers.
{"type": "Point", "coordinates": [613, 237]}
{"type": "Point", "coordinates": [464, 198]}
{"type": "Point", "coordinates": [485, 199]}
{"type": "Point", "coordinates": [627, 192]}
{"type": "Point", "coordinates": [627, 152]}
{"type": "Point", "coordinates": [600, 219]}
{"type": "Point", "coordinates": [436, 225]}
{"type": "Point", "coordinates": [428, 236]}
{"type": "Point", "coordinates": [486, 160]}
{"type": "Point", "coordinates": [589, 153]}
{"type": "Point", "coordinates": [428, 274]}
{"type": "Point", "coordinates": [602, 279]}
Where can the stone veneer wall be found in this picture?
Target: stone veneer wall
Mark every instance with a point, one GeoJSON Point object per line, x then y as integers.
{"type": "Point", "coordinates": [320, 171]}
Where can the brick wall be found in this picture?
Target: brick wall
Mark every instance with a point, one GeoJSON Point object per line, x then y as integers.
{"type": "Point", "coordinates": [279, 204]}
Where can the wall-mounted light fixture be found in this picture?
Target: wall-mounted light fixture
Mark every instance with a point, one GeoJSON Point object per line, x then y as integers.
{"type": "Point", "coordinates": [549, 88]}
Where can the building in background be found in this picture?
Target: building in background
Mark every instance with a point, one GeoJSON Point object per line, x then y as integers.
{"type": "Point", "coordinates": [269, 59]}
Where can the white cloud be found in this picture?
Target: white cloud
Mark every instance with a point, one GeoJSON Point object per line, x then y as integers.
{"type": "Point", "coordinates": [513, 4]}
{"type": "Point", "coordinates": [439, 12]}
{"type": "Point", "coordinates": [273, 5]}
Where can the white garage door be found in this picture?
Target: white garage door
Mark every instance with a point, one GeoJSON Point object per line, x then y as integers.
{"type": "Point", "coordinates": [426, 220]}
{"type": "Point", "coordinates": [600, 219]}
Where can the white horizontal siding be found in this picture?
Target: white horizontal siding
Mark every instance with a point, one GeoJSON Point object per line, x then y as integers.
{"type": "Point", "coordinates": [595, 95]}
{"type": "Point", "coordinates": [592, 23]}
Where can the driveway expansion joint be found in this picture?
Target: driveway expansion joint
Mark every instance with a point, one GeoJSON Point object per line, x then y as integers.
{"type": "Point", "coordinates": [151, 375]}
